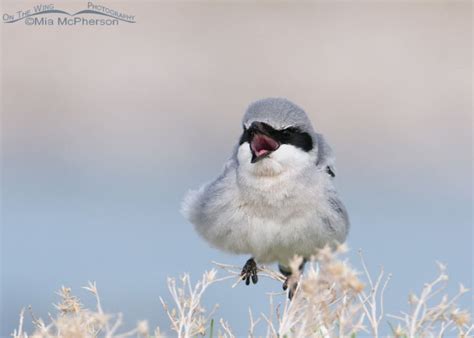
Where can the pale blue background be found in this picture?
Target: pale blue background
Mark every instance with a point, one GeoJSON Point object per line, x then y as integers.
{"type": "Point", "coordinates": [105, 129]}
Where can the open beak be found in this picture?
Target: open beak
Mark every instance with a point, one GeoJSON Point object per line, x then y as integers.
{"type": "Point", "coordinates": [261, 144]}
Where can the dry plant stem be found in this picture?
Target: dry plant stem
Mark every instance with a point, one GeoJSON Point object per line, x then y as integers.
{"type": "Point", "coordinates": [19, 333]}
{"type": "Point", "coordinates": [330, 301]}
{"type": "Point", "coordinates": [369, 302]}
{"type": "Point", "coordinates": [92, 288]}
{"type": "Point", "coordinates": [252, 324]}
{"type": "Point", "coordinates": [434, 320]}
{"type": "Point", "coordinates": [413, 322]}
{"type": "Point", "coordinates": [227, 331]}
{"type": "Point", "coordinates": [73, 320]}
{"type": "Point", "coordinates": [187, 318]}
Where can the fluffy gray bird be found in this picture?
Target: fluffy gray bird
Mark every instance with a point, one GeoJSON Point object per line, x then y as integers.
{"type": "Point", "coordinates": [275, 197]}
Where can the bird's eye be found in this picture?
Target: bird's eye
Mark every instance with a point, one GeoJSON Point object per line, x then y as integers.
{"type": "Point", "coordinates": [288, 131]}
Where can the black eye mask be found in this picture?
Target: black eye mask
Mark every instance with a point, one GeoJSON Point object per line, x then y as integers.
{"type": "Point", "coordinates": [291, 135]}
{"type": "Point", "coordinates": [263, 139]}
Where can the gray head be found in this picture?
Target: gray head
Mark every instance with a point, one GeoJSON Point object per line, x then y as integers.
{"type": "Point", "coordinates": [274, 122]}
{"type": "Point", "coordinates": [279, 113]}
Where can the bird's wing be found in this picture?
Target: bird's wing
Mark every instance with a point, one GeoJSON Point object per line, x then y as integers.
{"type": "Point", "coordinates": [325, 160]}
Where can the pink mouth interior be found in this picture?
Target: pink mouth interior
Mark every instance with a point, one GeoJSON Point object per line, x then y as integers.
{"type": "Point", "coordinates": [262, 145]}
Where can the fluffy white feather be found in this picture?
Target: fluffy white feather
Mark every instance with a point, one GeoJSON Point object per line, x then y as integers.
{"type": "Point", "coordinates": [273, 209]}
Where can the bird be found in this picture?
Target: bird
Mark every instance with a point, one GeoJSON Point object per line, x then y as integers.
{"type": "Point", "coordinates": [275, 197]}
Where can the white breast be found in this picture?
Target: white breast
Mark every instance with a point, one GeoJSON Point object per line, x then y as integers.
{"type": "Point", "coordinates": [272, 209]}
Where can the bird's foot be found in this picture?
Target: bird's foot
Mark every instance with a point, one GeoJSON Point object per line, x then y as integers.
{"type": "Point", "coordinates": [292, 278]}
{"type": "Point", "coordinates": [291, 284]}
{"type": "Point", "coordinates": [249, 272]}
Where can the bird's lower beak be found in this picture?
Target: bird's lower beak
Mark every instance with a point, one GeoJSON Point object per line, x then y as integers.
{"type": "Point", "coordinates": [261, 146]}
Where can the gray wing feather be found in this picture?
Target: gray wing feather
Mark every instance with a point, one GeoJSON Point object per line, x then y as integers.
{"type": "Point", "coordinates": [325, 154]}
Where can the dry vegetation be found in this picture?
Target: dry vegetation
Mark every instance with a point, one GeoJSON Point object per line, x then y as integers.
{"type": "Point", "coordinates": [332, 300]}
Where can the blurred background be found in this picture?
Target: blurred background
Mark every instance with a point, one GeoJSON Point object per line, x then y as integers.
{"type": "Point", "coordinates": [104, 129]}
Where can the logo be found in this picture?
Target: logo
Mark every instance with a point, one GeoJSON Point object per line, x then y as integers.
{"type": "Point", "coordinates": [49, 15]}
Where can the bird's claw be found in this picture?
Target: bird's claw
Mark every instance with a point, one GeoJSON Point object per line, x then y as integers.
{"type": "Point", "coordinates": [249, 272]}
{"type": "Point", "coordinates": [290, 282]}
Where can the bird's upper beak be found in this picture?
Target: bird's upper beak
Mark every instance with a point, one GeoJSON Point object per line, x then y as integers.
{"type": "Point", "coordinates": [261, 142]}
